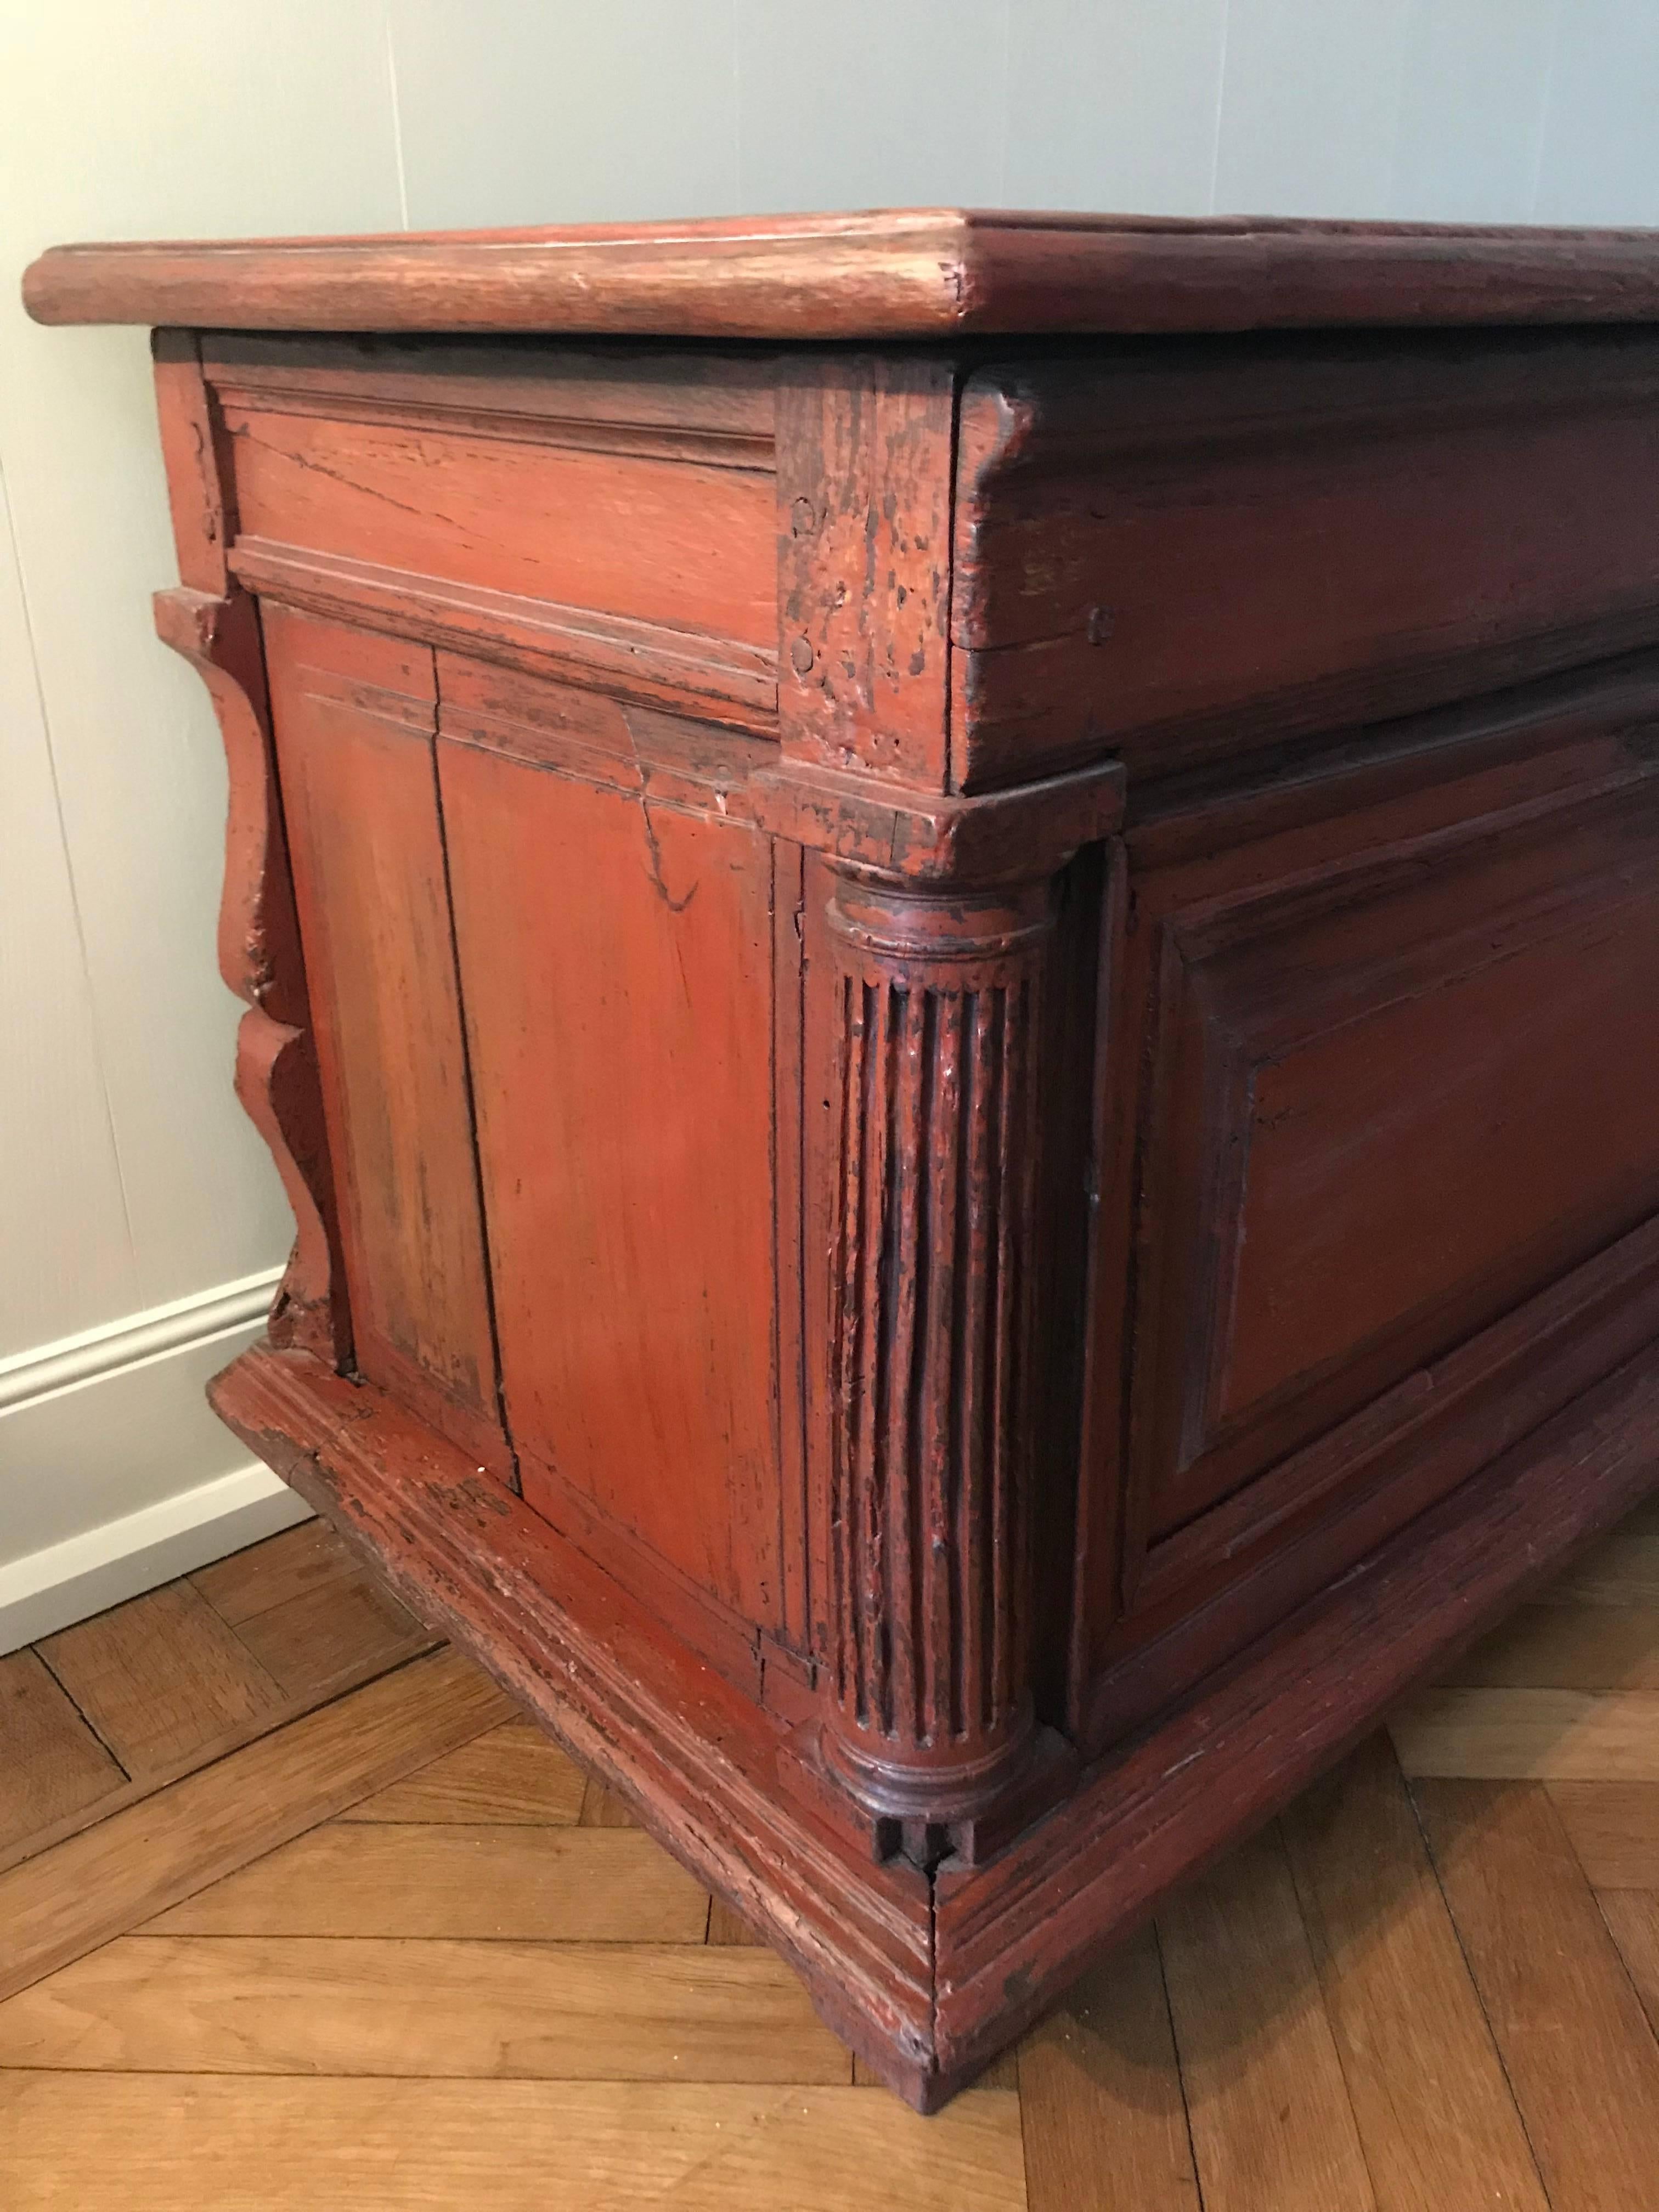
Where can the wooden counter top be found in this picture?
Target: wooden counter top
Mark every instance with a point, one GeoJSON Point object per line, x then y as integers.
{"type": "Point", "coordinates": [907, 274]}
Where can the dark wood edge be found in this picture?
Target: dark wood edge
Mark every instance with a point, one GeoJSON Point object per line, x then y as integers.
{"type": "Point", "coordinates": [901, 274]}
{"type": "Point", "coordinates": [1012, 1938]}
{"type": "Point", "coordinates": [695, 1759]}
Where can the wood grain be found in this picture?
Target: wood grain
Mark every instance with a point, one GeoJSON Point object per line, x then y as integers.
{"type": "Point", "coordinates": [638, 536]}
{"type": "Point", "coordinates": [1613, 1828]}
{"type": "Point", "coordinates": [604, 1808]}
{"type": "Point", "coordinates": [526, 1885]}
{"type": "Point", "coordinates": [1100, 2095]}
{"type": "Point", "coordinates": [353, 716]}
{"type": "Point", "coordinates": [296, 1564]}
{"type": "Point", "coordinates": [313, 1616]}
{"type": "Point", "coordinates": [590, 1660]}
{"type": "Point", "coordinates": [864, 480]}
{"type": "Point", "coordinates": [516, 2147]}
{"type": "Point", "coordinates": [161, 1678]}
{"type": "Point", "coordinates": [1258, 1466]}
{"type": "Point", "coordinates": [151, 1855]}
{"type": "Point", "coordinates": [1580, 2056]}
{"type": "Point", "coordinates": [312, 1644]}
{"type": "Point", "coordinates": [1623, 1570]}
{"type": "Point", "coordinates": [728, 1926]}
{"type": "Point", "coordinates": [909, 273]}
{"type": "Point", "coordinates": [572, 2011]}
{"type": "Point", "coordinates": [513, 1777]}
{"type": "Point", "coordinates": [1548, 1734]}
{"type": "Point", "coordinates": [1099, 2098]}
{"type": "Point", "coordinates": [1564, 1647]}
{"type": "Point", "coordinates": [1437, 2122]}
{"type": "Point", "coordinates": [1632, 1919]}
{"type": "Point", "coordinates": [51, 1763]}
{"type": "Point", "coordinates": [1273, 2128]}
{"type": "Point", "coordinates": [1170, 552]}
{"type": "Point", "coordinates": [1272, 1159]}
{"type": "Point", "coordinates": [616, 956]}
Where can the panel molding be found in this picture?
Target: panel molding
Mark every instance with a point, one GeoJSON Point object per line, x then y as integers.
{"type": "Point", "coordinates": [1231, 1492]}
{"type": "Point", "coordinates": [648, 662]}
{"type": "Point", "coordinates": [92, 1355]}
{"type": "Point", "coordinates": [717, 413]}
{"type": "Point", "coordinates": [1214, 1034]}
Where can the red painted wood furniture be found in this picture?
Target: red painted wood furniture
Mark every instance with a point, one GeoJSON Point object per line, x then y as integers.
{"type": "Point", "coordinates": [952, 932]}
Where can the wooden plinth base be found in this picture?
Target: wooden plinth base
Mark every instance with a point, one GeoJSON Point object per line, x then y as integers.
{"type": "Point", "coordinates": [928, 1977]}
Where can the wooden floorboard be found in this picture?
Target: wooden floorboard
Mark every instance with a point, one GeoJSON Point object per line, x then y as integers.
{"type": "Point", "coordinates": [54, 1767]}
{"type": "Point", "coordinates": [1575, 2042]}
{"type": "Point", "coordinates": [1632, 1919]}
{"type": "Point", "coordinates": [173, 1698]}
{"type": "Point", "coordinates": [1614, 1827]}
{"type": "Point", "coordinates": [161, 1678]}
{"type": "Point", "coordinates": [296, 1564]}
{"type": "Point", "coordinates": [62, 1903]}
{"type": "Point", "coordinates": [1515, 1735]}
{"type": "Point", "coordinates": [726, 1925]}
{"type": "Point", "coordinates": [514, 1776]}
{"type": "Point", "coordinates": [1565, 1647]}
{"type": "Point", "coordinates": [158, 2142]}
{"type": "Point", "coordinates": [1273, 2126]}
{"type": "Point", "coordinates": [1437, 2120]}
{"type": "Point", "coordinates": [603, 1808]}
{"type": "Point", "coordinates": [525, 1885]}
{"type": "Point", "coordinates": [571, 2011]}
{"type": "Point", "coordinates": [1105, 2123]}
{"type": "Point", "coordinates": [350, 1930]}
{"type": "Point", "coordinates": [316, 1639]}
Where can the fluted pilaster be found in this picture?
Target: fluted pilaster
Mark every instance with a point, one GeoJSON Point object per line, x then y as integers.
{"type": "Point", "coordinates": [938, 1014]}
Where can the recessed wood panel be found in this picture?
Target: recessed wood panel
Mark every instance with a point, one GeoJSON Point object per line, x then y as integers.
{"type": "Point", "coordinates": [616, 964]}
{"type": "Point", "coordinates": [353, 715]}
{"type": "Point", "coordinates": [1393, 1099]}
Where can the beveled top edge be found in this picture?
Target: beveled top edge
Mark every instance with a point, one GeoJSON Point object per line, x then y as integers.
{"type": "Point", "coordinates": [892, 274]}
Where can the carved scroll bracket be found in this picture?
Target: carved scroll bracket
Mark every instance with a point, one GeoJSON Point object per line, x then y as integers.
{"type": "Point", "coordinates": [259, 958]}
{"type": "Point", "coordinates": [933, 1206]}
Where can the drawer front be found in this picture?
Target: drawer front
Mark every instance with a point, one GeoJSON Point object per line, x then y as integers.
{"type": "Point", "coordinates": [1395, 1197]}
{"type": "Point", "coordinates": [1179, 557]}
{"type": "Point", "coordinates": [612, 521]}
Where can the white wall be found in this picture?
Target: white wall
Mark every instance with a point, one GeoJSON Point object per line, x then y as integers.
{"type": "Point", "coordinates": [140, 1221]}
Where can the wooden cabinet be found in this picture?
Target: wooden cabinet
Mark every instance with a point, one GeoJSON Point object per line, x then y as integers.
{"type": "Point", "coordinates": [951, 927]}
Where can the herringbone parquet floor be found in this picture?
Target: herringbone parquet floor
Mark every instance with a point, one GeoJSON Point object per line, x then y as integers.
{"type": "Point", "coordinates": [295, 1913]}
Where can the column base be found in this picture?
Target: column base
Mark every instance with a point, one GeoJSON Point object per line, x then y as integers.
{"type": "Point", "coordinates": [926, 1823]}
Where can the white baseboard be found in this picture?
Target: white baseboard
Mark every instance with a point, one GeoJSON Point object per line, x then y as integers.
{"type": "Point", "coordinates": [67, 1582]}
{"type": "Point", "coordinates": [114, 1475]}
